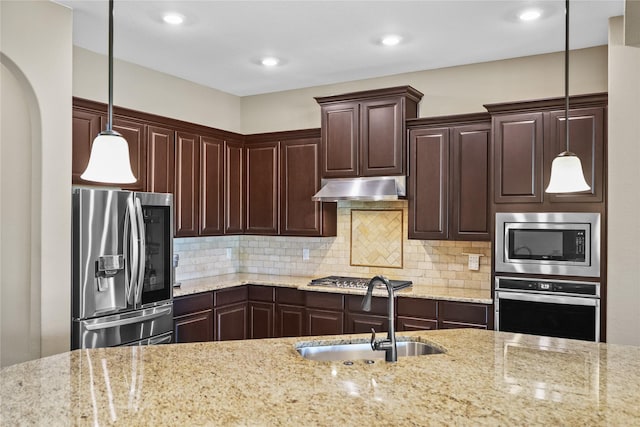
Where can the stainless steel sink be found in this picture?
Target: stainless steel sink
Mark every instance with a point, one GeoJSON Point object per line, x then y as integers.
{"type": "Point", "coordinates": [328, 352]}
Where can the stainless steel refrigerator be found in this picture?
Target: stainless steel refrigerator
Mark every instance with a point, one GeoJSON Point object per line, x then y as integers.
{"type": "Point", "coordinates": [122, 268]}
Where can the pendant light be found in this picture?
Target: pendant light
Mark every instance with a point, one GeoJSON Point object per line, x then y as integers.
{"type": "Point", "coordinates": [566, 170]}
{"type": "Point", "coordinates": [109, 159]}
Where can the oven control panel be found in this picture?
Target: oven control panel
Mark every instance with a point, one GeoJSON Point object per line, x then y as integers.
{"type": "Point", "coordinates": [548, 286]}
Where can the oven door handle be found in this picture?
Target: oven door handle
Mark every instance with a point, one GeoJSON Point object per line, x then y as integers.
{"type": "Point", "coordinates": [553, 299]}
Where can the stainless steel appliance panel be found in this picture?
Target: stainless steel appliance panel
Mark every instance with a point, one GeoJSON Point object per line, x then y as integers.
{"type": "Point", "coordinates": [119, 329]}
{"type": "Point", "coordinates": [552, 227]}
{"type": "Point", "coordinates": [99, 263]}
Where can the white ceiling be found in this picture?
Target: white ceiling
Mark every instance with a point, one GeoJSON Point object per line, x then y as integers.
{"type": "Point", "coordinates": [322, 42]}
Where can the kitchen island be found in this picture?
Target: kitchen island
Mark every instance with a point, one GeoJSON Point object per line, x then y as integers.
{"type": "Point", "coordinates": [484, 377]}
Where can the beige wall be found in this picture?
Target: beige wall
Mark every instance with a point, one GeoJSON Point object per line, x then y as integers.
{"type": "Point", "coordinates": [462, 89]}
{"type": "Point", "coordinates": [623, 277]}
{"type": "Point", "coordinates": [36, 49]}
{"type": "Point", "coordinates": [150, 91]}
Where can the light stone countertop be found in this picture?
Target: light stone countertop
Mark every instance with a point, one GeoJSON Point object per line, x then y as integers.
{"type": "Point", "coordinates": [418, 290]}
{"type": "Point", "coordinates": [484, 378]}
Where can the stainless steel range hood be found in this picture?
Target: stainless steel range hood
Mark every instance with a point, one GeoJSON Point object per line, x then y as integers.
{"type": "Point", "coordinates": [371, 189]}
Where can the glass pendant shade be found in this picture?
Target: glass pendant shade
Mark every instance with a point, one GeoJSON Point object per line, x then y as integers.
{"type": "Point", "coordinates": [566, 175]}
{"type": "Point", "coordinates": [109, 160]}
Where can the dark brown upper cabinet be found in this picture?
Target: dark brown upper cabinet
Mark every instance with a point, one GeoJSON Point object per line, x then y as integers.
{"type": "Point", "coordinates": [518, 141]}
{"type": "Point", "coordinates": [528, 135]}
{"type": "Point", "coordinates": [160, 159]}
{"type": "Point", "coordinates": [211, 186]}
{"type": "Point", "coordinates": [586, 140]}
{"type": "Point", "coordinates": [299, 181]}
{"type": "Point", "coordinates": [261, 165]}
{"type": "Point", "coordinates": [363, 133]}
{"type": "Point", "coordinates": [186, 202]}
{"type": "Point", "coordinates": [88, 122]}
{"type": "Point", "coordinates": [234, 178]}
{"type": "Point", "coordinates": [449, 178]}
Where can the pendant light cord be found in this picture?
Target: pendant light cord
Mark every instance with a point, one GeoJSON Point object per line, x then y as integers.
{"type": "Point", "coordinates": [110, 111]}
{"type": "Point", "coordinates": [566, 72]}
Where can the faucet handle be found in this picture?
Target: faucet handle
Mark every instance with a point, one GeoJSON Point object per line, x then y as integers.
{"type": "Point", "coordinates": [373, 339]}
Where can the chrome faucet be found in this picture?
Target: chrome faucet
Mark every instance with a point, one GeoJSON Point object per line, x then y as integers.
{"type": "Point", "coordinates": [387, 345]}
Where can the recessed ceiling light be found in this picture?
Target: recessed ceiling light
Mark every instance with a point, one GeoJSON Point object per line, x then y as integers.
{"type": "Point", "coordinates": [173, 18]}
{"type": "Point", "coordinates": [270, 61]}
{"type": "Point", "coordinates": [391, 40]}
{"type": "Point", "coordinates": [530, 15]}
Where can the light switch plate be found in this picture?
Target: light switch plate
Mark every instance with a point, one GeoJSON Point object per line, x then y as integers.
{"type": "Point", "coordinates": [228, 253]}
{"type": "Point", "coordinates": [305, 254]}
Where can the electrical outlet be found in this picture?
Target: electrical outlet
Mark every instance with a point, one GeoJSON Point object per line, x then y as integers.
{"type": "Point", "coordinates": [228, 253]}
{"type": "Point", "coordinates": [305, 254]}
{"type": "Point", "coordinates": [474, 262]}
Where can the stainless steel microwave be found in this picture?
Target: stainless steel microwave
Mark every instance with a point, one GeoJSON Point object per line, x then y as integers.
{"type": "Point", "coordinates": [555, 243]}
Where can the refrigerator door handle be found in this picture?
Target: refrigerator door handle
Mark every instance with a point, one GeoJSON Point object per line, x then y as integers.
{"type": "Point", "coordinates": [143, 252]}
{"type": "Point", "coordinates": [129, 320]}
{"type": "Point", "coordinates": [130, 276]}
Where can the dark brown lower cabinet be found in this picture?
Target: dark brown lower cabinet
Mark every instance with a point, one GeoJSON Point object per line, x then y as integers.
{"type": "Point", "coordinates": [291, 318]}
{"type": "Point", "coordinates": [261, 312]}
{"type": "Point", "coordinates": [230, 314]}
{"type": "Point", "coordinates": [359, 321]}
{"type": "Point", "coordinates": [325, 322]}
{"type": "Point", "coordinates": [415, 314]}
{"type": "Point", "coordinates": [193, 318]}
{"type": "Point", "coordinates": [453, 314]}
{"type": "Point", "coordinates": [325, 313]}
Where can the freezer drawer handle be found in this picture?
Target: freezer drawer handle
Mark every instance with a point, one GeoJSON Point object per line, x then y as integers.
{"type": "Point", "coordinates": [129, 320]}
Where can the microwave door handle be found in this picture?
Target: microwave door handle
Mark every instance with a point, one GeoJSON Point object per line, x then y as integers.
{"type": "Point", "coordinates": [143, 251]}
{"type": "Point", "coordinates": [553, 299]}
{"type": "Point", "coordinates": [130, 241]}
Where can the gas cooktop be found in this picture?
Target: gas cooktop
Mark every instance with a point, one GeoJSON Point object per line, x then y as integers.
{"type": "Point", "coordinates": [355, 282]}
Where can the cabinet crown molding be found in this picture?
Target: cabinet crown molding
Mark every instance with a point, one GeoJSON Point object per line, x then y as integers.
{"type": "Point", "coordinates": [575, 101]}
{"type": "Point", "coordinates": [407, 91]}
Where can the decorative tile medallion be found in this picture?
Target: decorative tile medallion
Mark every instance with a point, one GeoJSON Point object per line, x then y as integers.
{"type": "Point", "coordinates": [376, 238]}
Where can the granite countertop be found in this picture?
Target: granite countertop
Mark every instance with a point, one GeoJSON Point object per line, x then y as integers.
{"type": "Point", "coordinates": [418, 290]}
{"type": "Point", "coordinates": [484, 378]}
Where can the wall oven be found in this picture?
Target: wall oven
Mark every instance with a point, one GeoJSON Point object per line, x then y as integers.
{"type": "Point", "coordinates": [557, 243]}
{"type": "Point", "coordinates": [555, 308]}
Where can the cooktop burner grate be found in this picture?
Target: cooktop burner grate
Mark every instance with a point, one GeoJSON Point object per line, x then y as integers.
{"type": "Point", "coordinates": [354, 282]}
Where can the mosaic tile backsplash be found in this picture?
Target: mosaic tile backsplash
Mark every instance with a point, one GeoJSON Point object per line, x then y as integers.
{"type": "Point", "coordinates": [439, 263]}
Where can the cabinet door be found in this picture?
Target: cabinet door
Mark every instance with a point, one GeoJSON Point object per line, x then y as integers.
{"type": "Point", "coordinates": [231, 322]}
{"type": "Point", "coordinates": [233, 187]}
{"type": "Point", "coordinates": [211, 186]}
{"type": "Point", "coordinates": [187, 188]}
{"type": "Point", "coordinates": [262, 188]}
{"type": "Point", "coordinates": [518, 147]}
{"type": "Point", "coordinates": [135, 133]}
{"type": "Point", "coordinates": [429, 184]}
{"type": "Point", "coordinates": [299, 181]}
{"type": "Point", "coordinates": [416, 324]}
{"type": "Point", "coordinates": [464, 315]}
{"type": "Point", "coordinates": [362, 323]}
{"type": "Point", "coordinates": [261, 320]}
{"type": "Point", "coordinates": [195, 327]}
{"type": "Point", "coordinates": [325, 322]}
{"type": "Point", "coordinates": [160, 160]}
{"type": "Point", "coordinates": [340, 139]}
{"type": "Point", "coordinates": [291, 321]}
{"type": "Point", "coordinates": [381, 137]}
{"type": "Point", "coordinates": [586, 140]}
{"type": "Point", "coordinates": [469, 217]}
{"type": "Point", "coordinates": [86, 126]}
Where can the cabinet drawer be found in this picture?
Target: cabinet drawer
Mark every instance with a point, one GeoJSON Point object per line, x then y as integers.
{"type": "Point", "coordinates": [261, 293]}
{"type": "Point", "coordinates": [416, 324]}
{"type": "Point", "coordinates": [230, 296]}
{"type": "Point", "coordinates": [418, 307]}
{"type": "Point", "coordinates": [461, 312]}
{"type": "Point", "coordinates": [290, 296]}
{"type": "Point", "coordinates": [378, 305]}
{"type": "Point", "coordinates": [325, 300]}
{"type": "Point", "coordinates": [192, 303]}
